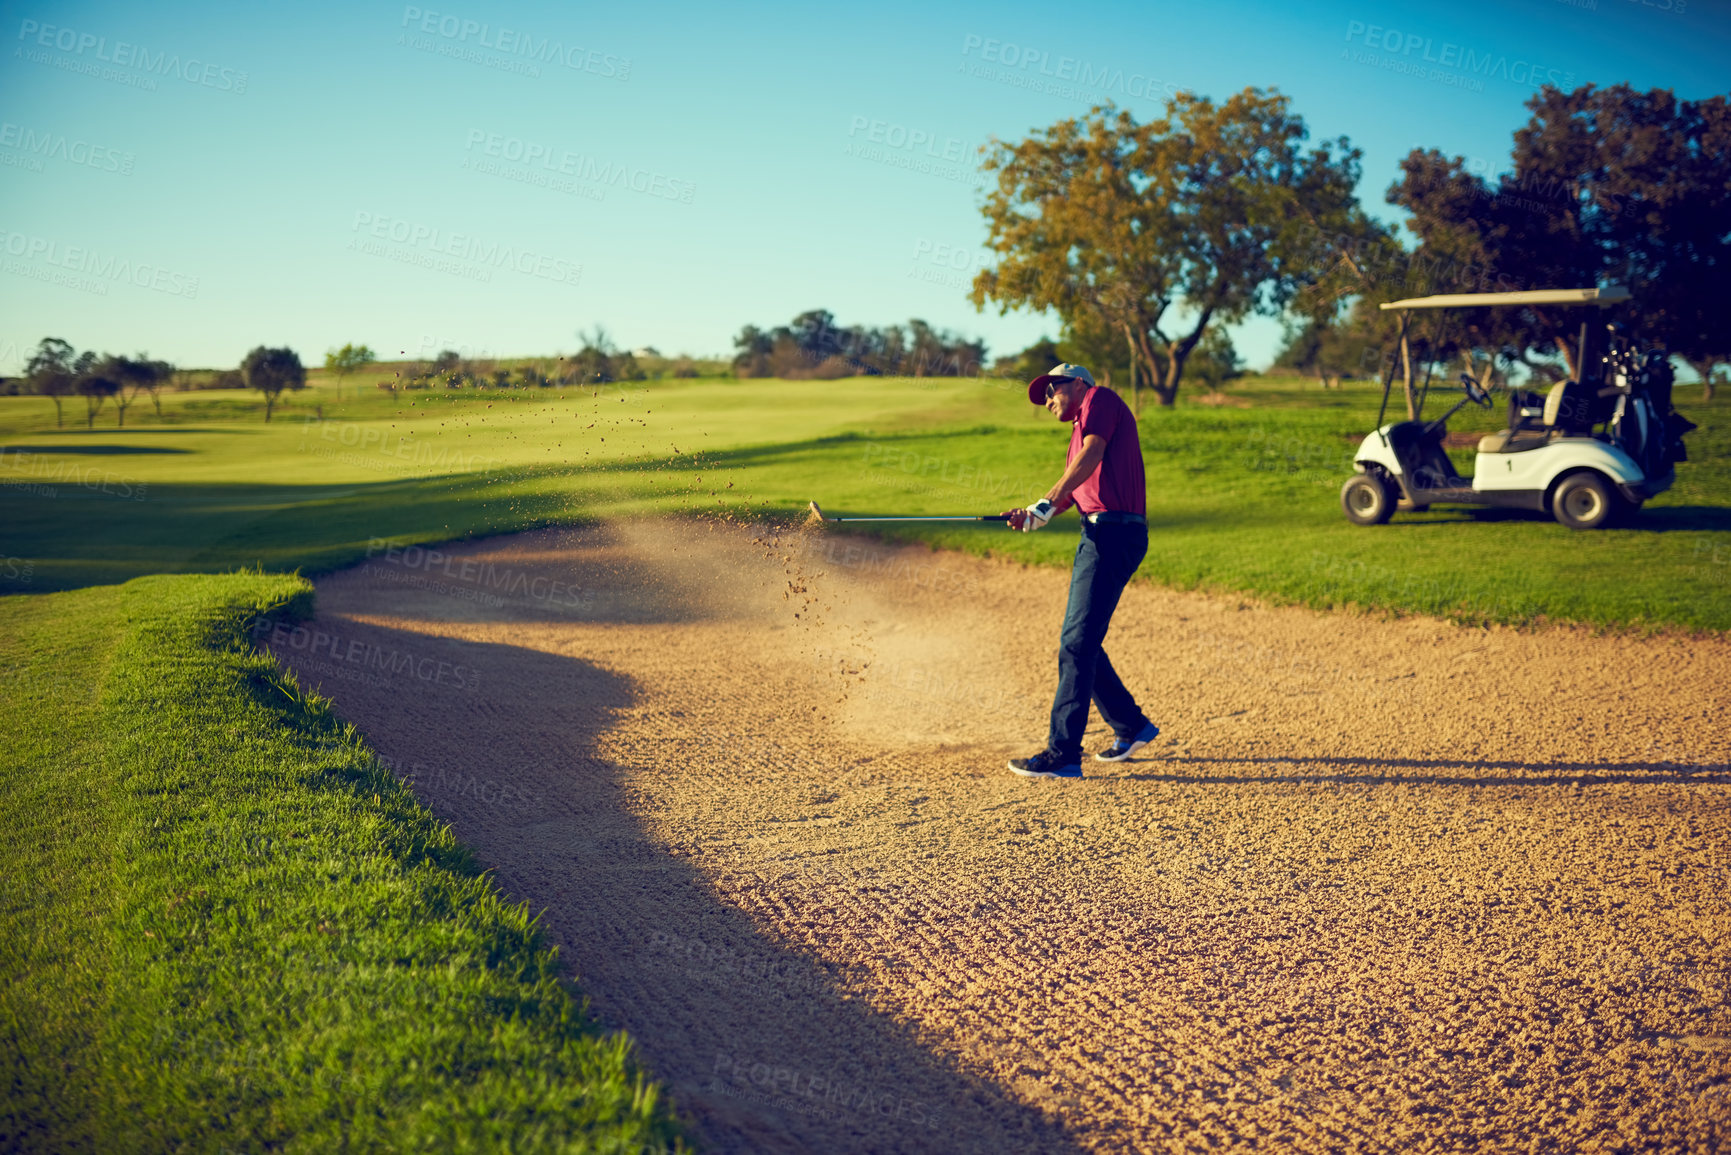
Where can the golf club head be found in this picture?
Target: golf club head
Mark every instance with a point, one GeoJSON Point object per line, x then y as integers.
{"type": "Point", "coordinates": [817, 512]}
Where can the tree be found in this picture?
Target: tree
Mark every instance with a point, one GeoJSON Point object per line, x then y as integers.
{"type": "Point", "coordinates": [752, 349]}
{"type": "Point", "coordinates": [1215, 361]}
{"type": "Point", "coordinates": [1202, 217]}
{"type": "Point", "coordinates": [1086, 340]}
{"type": "Point", "coordinates": [91, 382]}
{"type": "Point", "coordinates": [49, 372]}
{"type": "Point", "coordinates": [1332, 349]}
{"type": "Point", "coordinates": [1706, 367]}
{"type": "Point", "coordinates": [125, 374]}
{"type": "Point", "coordinates": [270, 371]}
{"type": "Point", "coordinates": [1608, 186]}
{"type": "Point", "coordinates": [1030, 362]}
{"type": "Point", "coordinates": [134, 375]}
{"type": "Point", "coordinates": [599, 361]}
{"type": "Point", "coordinates": [814, 345]}
{"type": "Point", "coordinates": [160, 374]}
{"type": "Point", "coordinates": [349, 359]}
{"type": "Point", "coordinates": [626, 368]}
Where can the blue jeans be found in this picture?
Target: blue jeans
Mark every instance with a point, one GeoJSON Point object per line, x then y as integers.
{"type": "Point", "coordinates": [1106, 557]}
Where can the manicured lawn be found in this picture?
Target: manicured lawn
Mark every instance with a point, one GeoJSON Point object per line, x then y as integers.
{"type": "Point", "coordinates": [1240, 498]}
{"type": "Point", "coordinates": [226, 927]}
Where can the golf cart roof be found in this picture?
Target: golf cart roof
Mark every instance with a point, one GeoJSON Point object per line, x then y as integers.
{"type": "Point", "coordinates": [1609, 295]}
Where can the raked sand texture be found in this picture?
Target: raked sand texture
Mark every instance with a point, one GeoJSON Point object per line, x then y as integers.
{"type": "Point", "coordinates": [1380, 884]}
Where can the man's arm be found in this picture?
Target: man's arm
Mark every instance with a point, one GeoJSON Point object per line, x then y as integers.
{"type": "Point", "coordinates": [1093, 452]}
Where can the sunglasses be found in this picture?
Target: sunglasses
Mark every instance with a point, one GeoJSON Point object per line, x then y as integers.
{"type": "Point", "coordinates": [1052, 387]}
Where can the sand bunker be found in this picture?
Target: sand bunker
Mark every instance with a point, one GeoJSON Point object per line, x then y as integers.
{"type": "Point", "coordinates": [1379, 885]}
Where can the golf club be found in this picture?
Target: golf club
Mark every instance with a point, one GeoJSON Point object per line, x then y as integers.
{"type": "Point", "coordinates": [818, 513]}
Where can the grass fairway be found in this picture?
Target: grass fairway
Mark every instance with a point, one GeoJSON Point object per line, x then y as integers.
{"type": "Point", "coordinates": [1240, 498]}
{"type": "Point", "coordinates": [227, 927]}
{"type": "Point", "coordinates": [225, 923]}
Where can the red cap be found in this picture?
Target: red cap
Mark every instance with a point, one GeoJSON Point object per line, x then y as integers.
{"type": "Point", "coordinates": [1064, 372]}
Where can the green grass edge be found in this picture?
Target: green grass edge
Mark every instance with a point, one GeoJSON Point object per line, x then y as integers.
{"type": "Point", "coordinates": [289, 952]}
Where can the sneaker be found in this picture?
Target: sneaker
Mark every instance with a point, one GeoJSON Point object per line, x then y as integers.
{"type": "Point", "coordinates": [1043, 765]}
{"type": "Point", "coordinates": [1120, 749]}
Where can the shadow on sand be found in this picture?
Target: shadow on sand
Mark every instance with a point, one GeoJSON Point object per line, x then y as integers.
{"type": "Point", "coordinates": [1436, 772]}
{"type": "Point", "coordinates": [763, 1047]}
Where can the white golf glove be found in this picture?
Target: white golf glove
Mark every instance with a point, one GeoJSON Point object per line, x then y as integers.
{"type": "Point", "coordinates": [1036, 516]}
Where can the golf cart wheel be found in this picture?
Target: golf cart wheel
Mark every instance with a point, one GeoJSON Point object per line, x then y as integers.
{"type": "Point", "coordinates": [1367, 499]}
{"type": "Point", "coordinates": [1583, 501]}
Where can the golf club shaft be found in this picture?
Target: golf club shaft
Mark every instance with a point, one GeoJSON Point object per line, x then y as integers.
{"type": "Point", "coordinates": [977, 517]}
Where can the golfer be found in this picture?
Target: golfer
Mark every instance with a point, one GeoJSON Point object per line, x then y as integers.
{"type": "Point", "coordinates": [1103, 480]}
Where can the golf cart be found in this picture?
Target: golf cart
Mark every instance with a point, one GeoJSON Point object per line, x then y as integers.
{"type": "Point", "coordinates": [1596, 446]}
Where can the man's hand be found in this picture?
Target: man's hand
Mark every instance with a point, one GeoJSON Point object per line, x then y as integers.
{"type": "Point", "coordinates": [1036, 516]}
{"type": "Point", "coordinates": [1016, 516]}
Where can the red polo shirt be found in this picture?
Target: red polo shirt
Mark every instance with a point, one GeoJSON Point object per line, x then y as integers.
{"type": "Point", "coordinates": [1117, 483]}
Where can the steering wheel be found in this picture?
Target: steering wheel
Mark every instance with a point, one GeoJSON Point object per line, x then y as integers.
{"type": "Point", "coordinates": [1475, 394]}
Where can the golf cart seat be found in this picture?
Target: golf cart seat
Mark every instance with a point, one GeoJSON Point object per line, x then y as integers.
{"type": "Point", "coordinates": [1567, 411]}
{"type": "Point", "coordinates": [1526, 410]}
{"type": "Point", "coordinates": [1516, 440]}
{"type": "Point", "coordinates": [1565, 405]}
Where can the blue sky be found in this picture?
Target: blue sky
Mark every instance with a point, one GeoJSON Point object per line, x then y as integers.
{"type": "Point", "coordinates": [193, 180]}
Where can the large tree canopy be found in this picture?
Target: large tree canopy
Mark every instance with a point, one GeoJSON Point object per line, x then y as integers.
{"type": "Point", "coordinates": [1608, 186]}
{"type": "Point", "coordinates": [1153, 232]}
